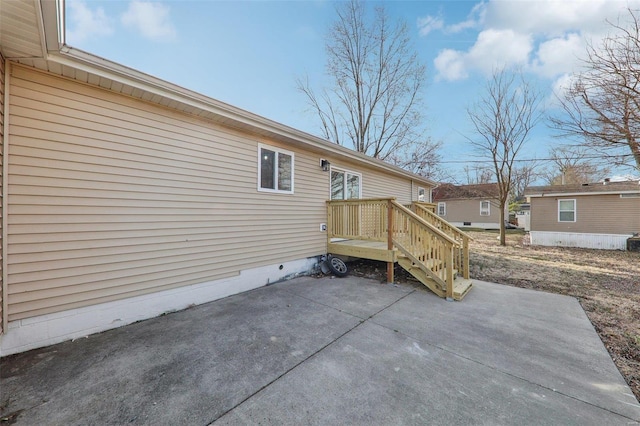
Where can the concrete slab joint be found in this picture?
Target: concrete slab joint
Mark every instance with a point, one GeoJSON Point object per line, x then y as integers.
{"type": "Point", "coordinates": [332, 351]}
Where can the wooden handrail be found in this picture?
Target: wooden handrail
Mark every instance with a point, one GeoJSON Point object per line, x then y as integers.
{"type": "Point", "coordinates": [359, 200]}
{"type": "Point", "coordinates": [462, 257]}
{"type": "Point", "coordinates": [428, 248]}
{"type": "Point", "coordinates": [435, 230]}
{"type": "Point", "coordinates": [426, 205]}
{"type": "Point", "coordinates": [436, 218]}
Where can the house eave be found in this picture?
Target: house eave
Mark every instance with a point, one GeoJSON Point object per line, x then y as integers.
{"type": "Point", "coordinates": [58, 58]}
{"type": "Point", "coordinates": [577, 194]}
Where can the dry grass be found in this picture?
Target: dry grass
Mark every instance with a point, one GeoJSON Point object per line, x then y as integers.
{"type": "Point", "coordinates": [606, 283]}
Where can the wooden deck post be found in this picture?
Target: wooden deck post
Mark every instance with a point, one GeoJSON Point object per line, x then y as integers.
{"type": "Point", "coordinates": [329, 223]}
{"type": "Point", "coordinates": [465, 253]}
{"type": "Point", "coordinates": [390, 265]}
{"type": "Point", "coordinates": [449, 272]}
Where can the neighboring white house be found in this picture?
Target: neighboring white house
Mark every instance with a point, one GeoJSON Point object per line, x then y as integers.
{"type": "Point", "coordinates": [523, 217]}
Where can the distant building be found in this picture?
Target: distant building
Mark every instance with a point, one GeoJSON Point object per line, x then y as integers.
{"type": "Point", "coordinates": [591, 215]}
{"type": "Point", "coordinates": [476, 206]}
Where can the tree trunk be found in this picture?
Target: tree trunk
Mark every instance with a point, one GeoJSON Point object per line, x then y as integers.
{"type": "Point", "coordinates": [503, 229]}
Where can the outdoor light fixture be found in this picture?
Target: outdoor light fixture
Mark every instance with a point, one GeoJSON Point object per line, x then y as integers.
{"type": "Point", "coordinates": [325, 164]}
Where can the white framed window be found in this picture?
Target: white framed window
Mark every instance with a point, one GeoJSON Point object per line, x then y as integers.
{"type": "Point", "coordinates": [442, 208]}
{"type": "Point", "coordinates": [345, 184]}
{"type": "Point", "coordinates": [485, 208]}
{"type": "Point", "coordinates": [566, 210]}
{"type": "Point", "coordinates": [421, 194]}
{"type": "Point", "coordinates": [275, 169]}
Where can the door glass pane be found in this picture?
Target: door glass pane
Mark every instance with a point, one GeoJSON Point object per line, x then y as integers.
{"type": "Point", "coordinates": [353, 186]}
{"type": "Point", "coordinates": [267, 163]}
{"type": "Point", "coordinates": [284, 172]}
{"type": "Point", "coordinates": [337, 185]}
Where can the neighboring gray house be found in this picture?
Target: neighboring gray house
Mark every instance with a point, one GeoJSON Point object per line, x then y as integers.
{"type": "Point", "coordinates": [591, 215]}
{"type": "Point", "coordinates": [476, 206]}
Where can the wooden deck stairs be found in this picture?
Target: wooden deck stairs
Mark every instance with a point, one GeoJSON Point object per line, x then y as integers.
{"type": "Point", "coordinates": [433, 251]}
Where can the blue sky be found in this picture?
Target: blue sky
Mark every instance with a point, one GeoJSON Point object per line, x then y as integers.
{"type": "Point", "coordinates": [248, 53]}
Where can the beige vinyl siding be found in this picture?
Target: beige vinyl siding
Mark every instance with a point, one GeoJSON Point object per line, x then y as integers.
{"type": "Point", "coordinates": [2, 77]}
{"type": "Point", "coordinates": [111, 197]}
{"type": "Point", "coordinates": [375, 184]}
{"type": "Point", "coordinates": [595, 214]}
{"type": "Point", "coordinates": [469, 211]}
{"type": "Point", "coordinates": [414, 191]}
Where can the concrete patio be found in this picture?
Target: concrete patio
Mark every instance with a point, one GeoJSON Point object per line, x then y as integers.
{"type": "Point", "coordinates": [332, 351]}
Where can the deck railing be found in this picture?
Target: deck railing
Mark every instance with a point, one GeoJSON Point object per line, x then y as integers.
{"type": "Point", "coordinates": [362, 219]}
{"type": "Point", "coordinates": [431, 248]}
{"type": "Point", "coordinates": [427, 212]}
{"type": "Point", "coordinates": [428, 247]}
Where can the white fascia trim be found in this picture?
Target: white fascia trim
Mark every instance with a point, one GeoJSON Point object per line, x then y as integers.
{"type": "Point", "coordinates": [41, 29]}
{"type": "Point", "coordinates": [87, 62]}
{"type": "Point", "coordinates": [44, 330]}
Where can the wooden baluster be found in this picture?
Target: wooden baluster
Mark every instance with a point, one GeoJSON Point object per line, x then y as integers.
{"type": "Point", "coordinates": [449, 270]}
{"type": "Point", "coordinates": [390, 239]}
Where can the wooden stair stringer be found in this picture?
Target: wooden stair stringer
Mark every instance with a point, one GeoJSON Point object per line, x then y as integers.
{"type": "Point", "coordinates": [417, 272]}
{"type": "Point", "coordinates": [461, 286]}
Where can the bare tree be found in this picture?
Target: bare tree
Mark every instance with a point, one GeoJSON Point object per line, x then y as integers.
{"type": "Point", "coordinates": [522, 177]}
{"type": "Point", "coordinates": [421, 158]}
{"type": "Point", "coordinates": [374, 104]}
{"type": "Point", "coordinates": [570, 165]}
{"type": "Point", "coordinates": [478, 174]}
{"type": "Point", "coordinates": [503, 118]}
{"type": "Point", "coordinates": [602, 105]}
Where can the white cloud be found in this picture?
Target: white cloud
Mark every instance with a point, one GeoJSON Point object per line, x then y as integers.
{"type": "Point", "coordinates": [451, 65]}
{"type": "Point", "coordinates": [493, 49]}
{"type": "Point", "coordinates": [83, 22]}
{"type": "Point", "coordinates": [545, 37]}
{"type": "Point", "coordinates": [499, 48]}
{"type": "Point", "coordinates": [428, 24]}
{"type": "Point", "coordinates": [431, 23]}
{"type": "Point", "coordinates": [475, 19]}
{"type": "Point", "coordinates": [553, 17]}
{"type": "Point", "coordinates": [561, 85]}
{"type": "Point", "coordinates": [151, 19]}
{"type": "Point", "coordinates": [558, 55]}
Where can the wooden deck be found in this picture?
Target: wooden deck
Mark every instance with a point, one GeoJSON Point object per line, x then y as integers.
{"type": "Point", "coordinates": [364, 249]}
{"type": "Point", "coordinates": [433, 251]}
{"type": "Point", "coordinates": [377, 250]}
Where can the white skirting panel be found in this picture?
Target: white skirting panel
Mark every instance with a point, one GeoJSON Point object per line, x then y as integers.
{"type": "Point", "coordinates": [570, 239]}
{"type": "Point", "coordinates": [36, 332]}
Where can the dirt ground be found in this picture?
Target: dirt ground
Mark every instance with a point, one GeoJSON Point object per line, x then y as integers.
{"type": "Point", "coordinates": [606, 283]}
